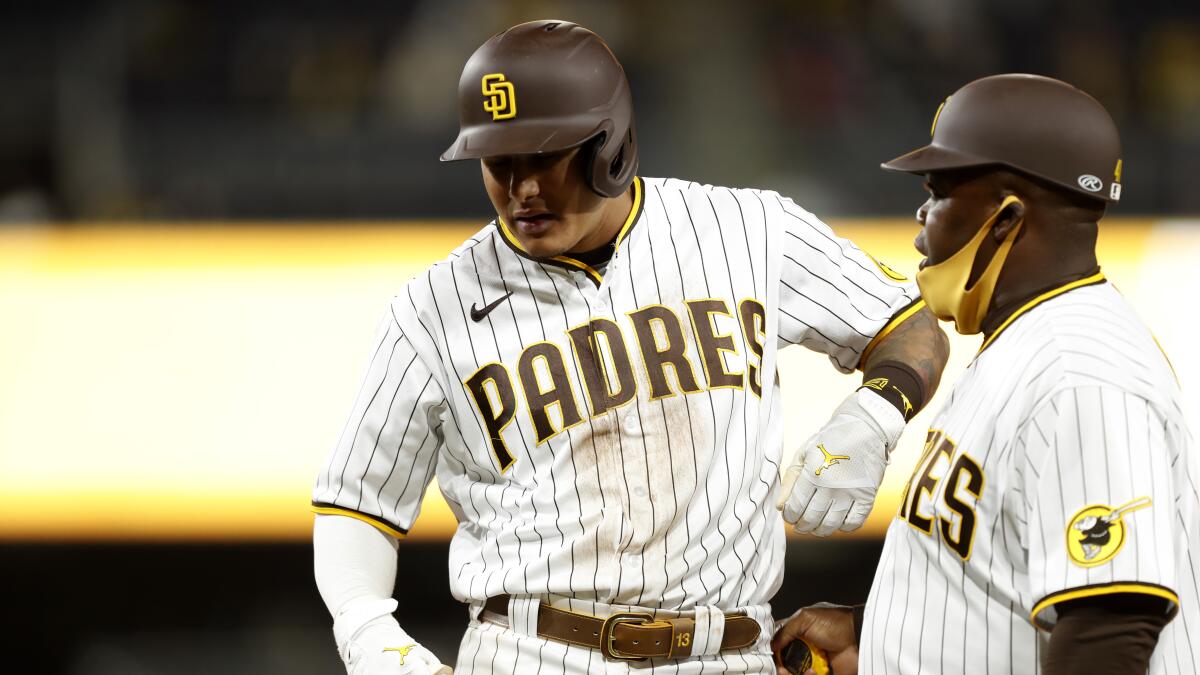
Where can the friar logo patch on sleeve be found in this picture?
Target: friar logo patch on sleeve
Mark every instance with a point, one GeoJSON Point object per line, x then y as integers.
{"type": "Point", "coordinates": [1096, 533]}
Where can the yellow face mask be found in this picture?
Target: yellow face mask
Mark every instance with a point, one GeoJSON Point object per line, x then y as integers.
{"type": "Point", "coordinates": [944, 285]}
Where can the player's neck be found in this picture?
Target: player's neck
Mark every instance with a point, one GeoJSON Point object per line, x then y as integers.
{"type": "Point", "coordinates": [1013, 299]}
{"type": "Point", "coordinates": [613, 215]}
{"type": "Point", "coordinates": [1053, 250]}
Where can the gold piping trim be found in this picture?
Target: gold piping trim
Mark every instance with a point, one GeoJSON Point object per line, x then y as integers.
{"type": "Point", "coordinates": [895, 321]}
{"type": "Point", "coordinates": [936, 116]}
{"type": "Point", "coordinates": [1168, 359]}
{"type": "Point", "coordinates": [512, 240]}
{"type": "Point", "coordinates": [1096, 278]}
{"type": "Point", "coordinates": [633, 213]}
{"type": "Point", "coordinates": [578, 264]}
{"type": "Point", "coordinates": [1093, 591]}
{"type": "Point", "coordinates": [581, 265]}
{"type": "Point", "coordinates": [335, 511]}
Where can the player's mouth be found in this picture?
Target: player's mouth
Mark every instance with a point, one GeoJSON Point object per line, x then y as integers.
{"type": "Point", "coordinates": [533, 223]}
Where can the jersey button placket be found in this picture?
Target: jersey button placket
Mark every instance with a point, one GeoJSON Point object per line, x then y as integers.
{"type": "Point", "coordinates": [612, 516]}
{"type": "Point", "coordinates": [631, 425]}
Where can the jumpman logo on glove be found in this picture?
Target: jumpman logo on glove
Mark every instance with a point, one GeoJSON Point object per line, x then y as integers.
{"type": "Point", "coordinates": [403, 651]}
{"type": "Point", "coordinates": [830, 460]}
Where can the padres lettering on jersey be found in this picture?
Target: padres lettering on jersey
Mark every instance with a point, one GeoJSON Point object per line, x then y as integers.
{"type": "Point", "coordinates": [611, 436]}
{"type": "Point", "coordinates": [602, 353]}
{"type": "Point", "coordinates": [1060, 469]}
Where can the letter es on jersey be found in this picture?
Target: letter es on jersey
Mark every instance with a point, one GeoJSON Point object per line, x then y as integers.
{"type": "Point", "coordinates": [959, 482]}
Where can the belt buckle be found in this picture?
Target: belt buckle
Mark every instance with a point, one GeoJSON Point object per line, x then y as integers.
{"type": "Point", "coordinates": [606, 637]}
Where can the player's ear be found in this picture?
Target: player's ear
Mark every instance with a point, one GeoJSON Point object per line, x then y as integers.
{"type": "Point", "coordinates": [1009, 217]}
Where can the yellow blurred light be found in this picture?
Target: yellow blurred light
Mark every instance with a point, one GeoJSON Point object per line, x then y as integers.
{"type": "Point", "coordinates": [186, 383]}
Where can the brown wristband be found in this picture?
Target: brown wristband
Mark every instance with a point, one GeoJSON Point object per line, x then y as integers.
{"type": "Point", "coordinates": [898, 384]}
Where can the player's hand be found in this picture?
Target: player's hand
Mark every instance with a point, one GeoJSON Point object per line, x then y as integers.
{"type": "Point", "coordinates": [832, 481]}
{"type": "Point", "coordinates": [385, 649]}
{"type": "Point", "coordinates": [370, 642]}
{"type": "Point", "coordinates": [827, 627]}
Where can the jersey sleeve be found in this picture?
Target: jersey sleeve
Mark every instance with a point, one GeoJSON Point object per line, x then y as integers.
{"type": "Point", "coordinates": [833, 297]}
{"type": "Point", "coordinates": [388, 451]}
{"type": "Point", "coordinates": [1100, 499]}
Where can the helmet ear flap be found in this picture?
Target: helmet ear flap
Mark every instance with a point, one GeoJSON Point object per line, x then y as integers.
{"type": "Point", "coordinates": [595, 163]}
{"type": "Point", "coordinates": [614, 162]}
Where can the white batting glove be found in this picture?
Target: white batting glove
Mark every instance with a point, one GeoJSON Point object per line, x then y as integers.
{"type": "Point", "coordinates": [370, 642]}
{"type": "Point", "coordinates": [832, 481]}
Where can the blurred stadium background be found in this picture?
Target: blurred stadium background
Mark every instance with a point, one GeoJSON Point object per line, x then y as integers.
{"type": "Point", "coordinates": [204, 207]}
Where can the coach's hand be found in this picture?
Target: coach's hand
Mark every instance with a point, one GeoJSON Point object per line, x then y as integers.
{"type": "Point", "coordinates": [827, 627]}
{"type": "Point", "coordinates": [370, 642]}
{"type": "Point", "coordinates": [832, 481]}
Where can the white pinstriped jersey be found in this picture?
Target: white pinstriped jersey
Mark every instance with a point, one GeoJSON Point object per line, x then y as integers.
{"type": "Point", "coordinates": [611, 437]}
{"type": "Point", "coordinates": [1060, 468]}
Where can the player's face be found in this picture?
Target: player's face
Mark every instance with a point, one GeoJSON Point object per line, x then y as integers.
{"type": "Point", "coordinates": [958, 205]}
{"type": "Point", "coordinates": [546, 201]}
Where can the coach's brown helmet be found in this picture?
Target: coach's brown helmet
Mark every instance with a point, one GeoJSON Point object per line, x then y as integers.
{"type": "Point", "coordinates": [546, 86]}
{"type": "Point", "coordinates": [1034, 124]}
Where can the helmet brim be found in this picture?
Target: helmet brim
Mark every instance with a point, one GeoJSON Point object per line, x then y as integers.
{"type": "Point", "coordinates": [934, 158]}
{"type": "Point", "coordinates": [524, 138]}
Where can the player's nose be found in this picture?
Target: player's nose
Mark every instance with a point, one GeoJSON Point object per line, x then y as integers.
{"type": "Point", "coordinates": [525, 187]}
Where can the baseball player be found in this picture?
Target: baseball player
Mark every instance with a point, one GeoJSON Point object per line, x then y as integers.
{"type": "Point", "coordinates": [591, 377]}
{"type": "Point", "coordinates": [1051, 524]}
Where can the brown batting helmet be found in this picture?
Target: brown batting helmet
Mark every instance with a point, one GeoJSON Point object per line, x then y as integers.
{"type": "Point", "coordinates": [1033, 124]}
{"type": "Point", "coordinates": [545, 86]}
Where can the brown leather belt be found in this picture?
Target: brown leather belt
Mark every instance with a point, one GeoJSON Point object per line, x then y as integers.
{"type": "Point", "coordinates": [627, 636]}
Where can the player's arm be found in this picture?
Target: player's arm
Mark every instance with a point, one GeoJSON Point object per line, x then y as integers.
{"type": "Point", "coordinates": [355, 569]}
{"type": "Point", "coordinates": [906, 360]}
{"type": "Point", "coordinates": [367, 497]}
{"type": "Point", "coordinates": [1098, 503]}
{"type": "Point", "coordinates": [1105, 635]}
{"type": "Point", "coordinates": [836, 299]}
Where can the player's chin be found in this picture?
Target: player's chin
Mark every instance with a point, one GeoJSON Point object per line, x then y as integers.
{"type": "Point", "coordinates": [544, 252]}
{"type": "Point", "coordinates": [546, 246]}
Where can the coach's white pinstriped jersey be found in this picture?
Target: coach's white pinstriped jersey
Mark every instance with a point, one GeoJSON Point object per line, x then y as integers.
{"type": "Point", "coordinates": [1061, 468]}
{"type": "Point", "coordinates": [608, 437]}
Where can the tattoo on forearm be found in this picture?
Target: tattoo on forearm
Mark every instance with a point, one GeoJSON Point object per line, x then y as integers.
{"type": "Point", "coordinates": [919, 343]}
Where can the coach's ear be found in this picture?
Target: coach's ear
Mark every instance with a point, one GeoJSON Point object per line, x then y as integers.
{"type": "Point", "coordinates": [1009, 217]}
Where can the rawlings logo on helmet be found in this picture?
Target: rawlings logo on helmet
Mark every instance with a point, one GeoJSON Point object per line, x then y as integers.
{"type": "Point", "coordinates": [1090, 183]}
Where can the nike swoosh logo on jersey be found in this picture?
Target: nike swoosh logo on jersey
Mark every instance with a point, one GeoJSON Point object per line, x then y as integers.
{"type": "Point", "coordinates": [478, 314]}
